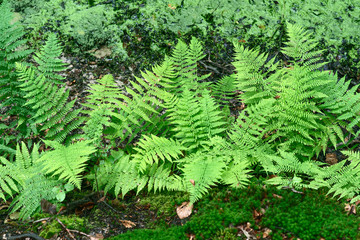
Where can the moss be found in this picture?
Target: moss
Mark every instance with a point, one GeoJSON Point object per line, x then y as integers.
{"type": "Point", "coordinates": [309, 216]}
{"type": "Point", "coordinates": [164, 203]}
{"type": "Point", "coordinates": [306, 216]}
{"type": "Point", "coordinates": [71, 222]}
{"type": "Point", "coordinates": [174, 233]}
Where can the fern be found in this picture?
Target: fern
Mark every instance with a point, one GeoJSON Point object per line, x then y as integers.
{"type": "Point", "coordinates": [342, 178]}
{"type": "Point", "coordinates": [12, 50]}
{"type": "Point", "coordinates": [306, 114]}
{"type": "Point", "coordinates": [49, 60]}
{"type": "Point", "coordinates": [67, 162]}
{"type": "Point", "coordinates": [185, 59]}
{"type": "Point", "coordinates": [196, 119]}
{"type": "Point", "coordinates": [101, 103]}
{"type": "Point", "coordinates": [49, 101]}
{"type": "Point", "coordinates": [121, 174]}
{"type": "Point", "coordinates": [201, 170]}
{"type": "Point", "coordinates": [292, 172]}
{"type": "Point", "coordinates": [224, 89]}
{"type": "Point", "coordinates": [152, 150]}
{"type": "Point", "coordinates": [25, 177]}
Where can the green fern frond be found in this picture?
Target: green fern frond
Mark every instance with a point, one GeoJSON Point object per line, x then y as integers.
{"type": "Point", "coordinates": [154, 149]}
{"type": "Point", "coordinates": [49, 60]}
{"type": "Point", "coordinates": [196, 119]}
{"type": "Point", "coordinates": [50, 104]}
{"type": "Point", "coordinates": [121, 175]}
{"type": "Point", "coordinates": [224, 89]}
{"type": "Point", "coordinates": [38, 187]}
{"type": "Point", "coordinates": [249, 77]}
{"type": "Point", "coordinates": [102, 103]}
{"type": "Point", "coordinates": [301, 47]}
{"type": "Point", "coordinates": [200, 172]}
{"type": "Point", "coordinates": [185, 60]}
{"type": "Point", "coordinates": [68, 162]}
{"type": "Point", "coordinates": [292, 173]}
{"type": "Point", "coordinates": [342, 178]}
{"type": "Point", "coordinates": [252, 125]}
{"type": "Point", "coordinates": [11, 45]}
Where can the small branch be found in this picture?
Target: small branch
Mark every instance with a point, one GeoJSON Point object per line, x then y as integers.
{"type": "Point", "coordinates": [78, 232]}
{"type": "Point", "coordinates": [72, 236]}
{"type": "Point", "coordinates": [25, 235]}
{"type": "Point", "coordinates": [42, 219]}
{"type": "Point", "coordinates": [209, 67]}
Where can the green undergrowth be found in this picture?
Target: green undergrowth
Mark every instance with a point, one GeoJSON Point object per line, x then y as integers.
{"type": "Point", "coordinates": [51, 228]}
{"type": "Point", "coordinates": [311, 215]}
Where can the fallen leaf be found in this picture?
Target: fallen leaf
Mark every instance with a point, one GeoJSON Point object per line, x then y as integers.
{"type": "Point", "coordinates": [331, 158]}
{"type": "Point", "coordinates": [277, 196]}
{"type": "Point", "coordinates": [127, 223]}
{"type": "Point", "coordinates": [4, 206]}
{"type": "Point", "coordinates": [48, 207]}
{"type": "Point", "coordinates": [14, 216]}
{"type": "Point", "coordinates": [97, 236]}
{"type": "Point", "coordinates": [350, 209]}
{"type": "Point", "coordinates": [184, 210]}
{"type": "Point", "coordinates": [266, 232]}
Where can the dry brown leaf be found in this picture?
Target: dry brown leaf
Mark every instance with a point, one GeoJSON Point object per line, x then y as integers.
{"type": "Point", "coordinates": [127, 223]}
{"type": "Point", "coordinates": [256, 214]}
{"type": "Point", "coordinates": [266, 232]}
{"type": "Point", "coordinates": [331, 158]}
{"type": "Point", "coordinates": [48, 207]}
{"type": "Point", "coordinates": [350, 209]}
{"type": "Point", "coordinates": [97, 236]}
{"type": "Point", "coordinates": [184, 210]}
{"type": "Point", "coordinates": [191, 237]}
{"type": "Point", "coordinates": [277, 196]}
{"type": "Point", "coordinates": [4, 206]}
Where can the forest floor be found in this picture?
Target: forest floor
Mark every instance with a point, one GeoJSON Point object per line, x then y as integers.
{"type": "Point", "coordinates": [257, 212]}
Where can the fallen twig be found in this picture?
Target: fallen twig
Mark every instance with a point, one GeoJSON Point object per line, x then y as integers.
{"type": "Point", "coordinates": [72, 236]}
{"type": "Point", "coordinates": [25, 235]}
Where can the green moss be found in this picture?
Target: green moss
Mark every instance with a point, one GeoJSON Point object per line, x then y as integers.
{"type": "Point", "coordinates": [164, 203]}
{"type": "Point", "coordinates": [174, 233]}
{"type": "Point", "coordinates": [309, 216]}
{"type": "Point", "coordinates": [71, 222]}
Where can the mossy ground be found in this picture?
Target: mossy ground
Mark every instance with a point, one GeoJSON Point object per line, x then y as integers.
{"type": "Point", "coordinates": [260, 211]}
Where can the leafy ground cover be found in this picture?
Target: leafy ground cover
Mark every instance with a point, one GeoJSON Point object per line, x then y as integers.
{"type": "Point", "coordinates": [257, 212]}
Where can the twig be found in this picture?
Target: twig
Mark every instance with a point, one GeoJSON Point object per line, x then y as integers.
{"type": "Point", "coordinates": [72, 236]}
{"type": "Point", "coordinates": [108, 205]}
{"type": "Point", "coordinates": [292, 189]}
{"type": "Point", "coordinates": [78, 232]}
{"type": "Point", "coordinates": [25, 235]}
{"type": "Point", "coordinates": [42, 219]}
{"type": "Point", "coordinates": [209, 67]}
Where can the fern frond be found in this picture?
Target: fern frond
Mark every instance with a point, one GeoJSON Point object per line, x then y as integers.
{"type": "Point", "coordinates": [50, 104]}
{"type": "Point", "coordinates": [11, 39]}
{"type": "Point", "coordinates": [68, 162]}
{"type": "Point", "coordinates": [249, 77]}
{"type": "Point", "coordinates": [154, 149]}
{"type": "Point", "coordinates": [49, 60]}
{"type": "Point", "coordinates": [224, 89]}
{"type": "Point", "coordinates": [291, 171]}
{"type": "Point", "coordinates": [200, 172]}
{"type": "Point", "coordinates": [196, 119]}
{"type": "Point", "coordinates": [301, 47]}
{"type": "Point", "coordinates": [342, 178]}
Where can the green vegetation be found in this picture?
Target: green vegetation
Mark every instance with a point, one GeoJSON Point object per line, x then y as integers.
{"type": "Point", "coordinates": [306, 216]}
{"type": "Point", "coordinates": [174, 128]}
